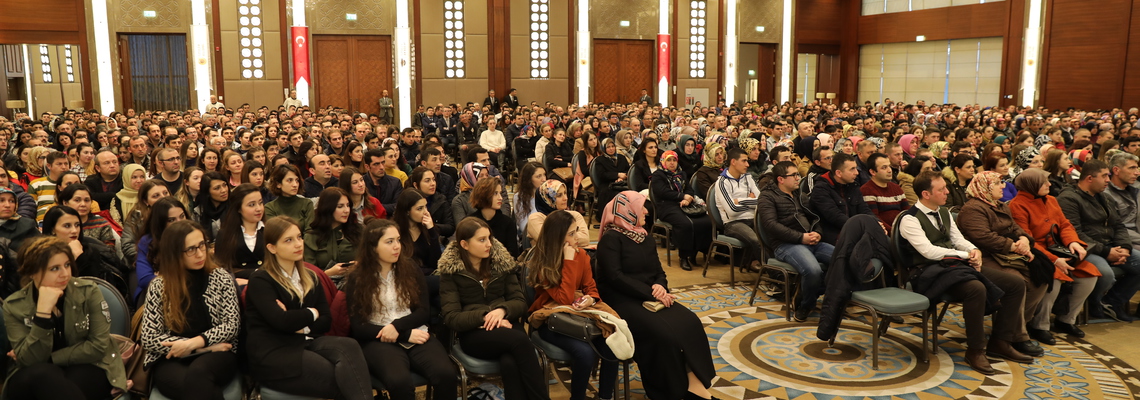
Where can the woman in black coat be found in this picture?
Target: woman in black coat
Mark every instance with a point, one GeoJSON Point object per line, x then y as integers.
{"type": "Point", "coordinates": [612, 169]}
{"type": "Point", "coordinates": [559, 153]}
{"type": "Point", "coordinates": [669, 193]}
{"type": "Point", "coordinates": [672, 348]}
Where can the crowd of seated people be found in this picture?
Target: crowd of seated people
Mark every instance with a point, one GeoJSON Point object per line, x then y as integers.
{"type": "Point", "coordinates": [244, 222]}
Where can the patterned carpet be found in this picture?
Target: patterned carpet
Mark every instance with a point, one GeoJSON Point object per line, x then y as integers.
{"type": "Point", "coordinates": [759, 355]}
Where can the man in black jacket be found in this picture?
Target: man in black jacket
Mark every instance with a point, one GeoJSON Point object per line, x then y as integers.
{"type": "Point", "coordinates": [321, 176]}
{"type": "Point", "coordinates": [1094, 217]}
{"type": "Point", "coordinates": [789, 229]}
{"type": "Point", "coordinates": [106, 183]}
{"type": "Point", "coordinates": [835, 197]}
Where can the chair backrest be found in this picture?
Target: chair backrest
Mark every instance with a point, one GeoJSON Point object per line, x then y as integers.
{"type": "Point", "coordinates": [595, 175]}
{"type": "Point", "coordinates": [634, 178]}
{"type": "Point", "coordinates": [898, 251]}
{"type": "Point", "coordinates": [714, 212]}
{"type": "Point", "coordinates": [117, 306]}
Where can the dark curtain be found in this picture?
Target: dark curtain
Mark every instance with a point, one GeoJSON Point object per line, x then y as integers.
{"type": "Point", "coordinates": [159, 76]}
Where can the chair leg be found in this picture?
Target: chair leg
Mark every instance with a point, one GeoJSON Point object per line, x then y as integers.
{"type": "Point", "coordinates": [706, 271]}
{"type": "Point", "coordinates": [625, 367]}
{"type": "Point", "coordinates": [731, 266]}
{"type": "Point", "coordinates": [756, 287]}
{"type": "Point", "coordinates": [925, 350]}
{"type": "Point", "coordinates": [874, 340]}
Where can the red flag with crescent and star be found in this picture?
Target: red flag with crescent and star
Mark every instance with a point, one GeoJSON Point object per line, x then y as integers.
{"type": "Point", "coordinates": [301, 79]}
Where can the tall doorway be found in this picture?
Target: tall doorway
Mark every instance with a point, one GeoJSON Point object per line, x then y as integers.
{"type": "Point", "coordinates": [622, 68]}
{"type": "Point", "coordinates": [155, 72]}
{"type": "Point", "coordinates": [352, 71]}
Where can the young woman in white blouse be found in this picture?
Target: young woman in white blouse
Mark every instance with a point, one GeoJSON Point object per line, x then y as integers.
{"type": "Point", "coordinates": [388, 307]}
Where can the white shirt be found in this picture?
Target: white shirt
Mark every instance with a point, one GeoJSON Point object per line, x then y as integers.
{"type": "Point", "coordinates": [911, 230]}
{"type": "Point", "coordinates": [295, 279]}
{"type": "Point", "coordinates": [251, 239]}
{"type": "Point", "coordinates": [393, 307]}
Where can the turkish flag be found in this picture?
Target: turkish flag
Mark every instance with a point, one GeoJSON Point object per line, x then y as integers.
{"type": "Point", "coordinates": [300, 44]}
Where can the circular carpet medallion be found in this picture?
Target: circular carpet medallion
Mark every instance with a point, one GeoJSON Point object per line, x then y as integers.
{"type": "Point", "coordinates": [759, 355]}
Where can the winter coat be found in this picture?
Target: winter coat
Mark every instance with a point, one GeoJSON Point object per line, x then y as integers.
{"type": "Point", "coordinates": [860, 241]}
{"type": "Point", "coordinates": [1036, 216]}
{"type": "Point", "coordinates": [1095, 220]}
{"type": "Point", "coordinates": [464, 300]}
{"type": "Point", "coordinates": [834, 203]}
{"type": "Point", "coordinates": [781, 216]}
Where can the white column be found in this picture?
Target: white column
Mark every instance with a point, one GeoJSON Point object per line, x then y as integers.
{"type": "Point", "coordinates": [403, 63]}
{"type": "Point", "coordinates": [201, 62]}
{"type": "Point", "coordinates": [786, 54]}
{"type": "Point", "coordinates": [104, 77]}
{"type": "Point", "coordinates": [302, 87]}
{"type": "Point", "coordinates": [583, 52]}
{"type": "Point", "coordinates": [29, 76]}
{"type": "Point", "coordinates": [731, 48]}
{"type": "Point", "coordinates": [1031, 53]}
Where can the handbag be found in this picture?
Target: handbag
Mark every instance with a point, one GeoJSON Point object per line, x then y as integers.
{"type": "Point", "coordinates": [564, 172]}
{"type": "Point", "coordinates": [1055, 245]}
{"type": "Point", "coordinates": [573, 326]}
{"type": "Point", "coordinates": [695, 210]}
{"type": "Point", "coordinates": [619, 186]}
{"type": "Point", "coordinates": [138, 377]}
{"type": "Point", "coordinates": [587, 184]}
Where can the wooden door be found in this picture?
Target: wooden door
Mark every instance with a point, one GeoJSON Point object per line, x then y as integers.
{"type": "Point", "coordinates": [766, 73]}
{"type": "Point", "coordinates": [351, 71]}
{"type": "Point", "coordinates": [622, 68]}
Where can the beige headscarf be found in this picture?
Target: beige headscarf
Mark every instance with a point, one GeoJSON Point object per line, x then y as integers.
{"type": "Point", "coordinates": [128, 196]}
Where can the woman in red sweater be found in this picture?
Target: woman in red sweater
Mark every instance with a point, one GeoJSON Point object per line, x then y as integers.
{"type": "Point", "coordinates": [561, 275]}
{"type": "Point", "coordinates": [1037, 213]}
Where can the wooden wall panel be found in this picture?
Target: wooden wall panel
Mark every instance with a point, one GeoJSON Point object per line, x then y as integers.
{"type": "Point", "coordinates": [766, 73]}
{"type": "Point", "coordinates": [817, 21]}
{"type": "Point", "coordinates": [1131, 96]}
{"type": "Point", "coordinates": [1084, 67]}
{"type": "Point", "coordinates": [638, 68]}
{"type": "Point", "coordinates": [959, 22]}
{"type": "Point", "coordinates": [499, 46]}
{"type": "Point", "coordinates": [20, 21]}
{"type": "Point", "coordinates": [372, 72]}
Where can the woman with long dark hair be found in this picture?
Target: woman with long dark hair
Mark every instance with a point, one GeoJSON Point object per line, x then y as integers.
{"type": "Point", "coordinates": [164, 212]}
{"type": "Point", "coordinates": [92, 257]}
{"type": "Point", "coordinates": [418, 231]}
{"type": "Point", "coordinates": [287, 315]}
{"type": "Point", "coordinates": [480, 296]}
{"type": "Point", "coordinates": [330, 241]}
{"type": "Point", "coordinates": [190, 321]}
{"type": "Point", "coordinates": [531, 175]}
{"type": "Point", "coordinates": [212, 202]}
{"type": "Point", "coordinates": [487, 200]}
{"type": "Point", "coordinates": [424, 180]}
{"type": "Point", "coordinates": [241, 238]}
{"type": "Point", "coordinates": [388, 308]}
{"type": "Point", "coordinates": [191, 186]}
{"type": "Point", "coordinates": [44, 321]}
{"type": "Point", "coordinates": [646, 161]}
{"type": "Point", "coordinates": [363, 204]}
{"type": "Point", "coordinates": [559, 269]}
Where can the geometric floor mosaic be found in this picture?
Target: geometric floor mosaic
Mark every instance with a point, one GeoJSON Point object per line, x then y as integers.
{"type": "Point", "coordinates": [759, 355]}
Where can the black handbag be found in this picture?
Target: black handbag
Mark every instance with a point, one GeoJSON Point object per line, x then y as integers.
{"type": "Point", "coordinates": [695, 210]}
{"type": "Point", "coordinates": [1055, 245]}
{"type": "Point", "coordinates": [573, 326]}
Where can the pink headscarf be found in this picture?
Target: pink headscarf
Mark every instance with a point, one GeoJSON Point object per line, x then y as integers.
{"type": "Point", "coordinates": [622, 213]}
{"type": "Point", "coordinates": [905, 142]}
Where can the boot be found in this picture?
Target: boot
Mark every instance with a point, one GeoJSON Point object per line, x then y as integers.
{"type": "Point", "coordinates": [998, 348]}
{"type": "Point", "coordinates": [685, 264]}
{"type": "Point", "coordinates": [977, 360]}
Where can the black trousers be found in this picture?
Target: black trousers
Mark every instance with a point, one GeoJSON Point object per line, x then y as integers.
{"type": "Point", "coordinates": [334, 368]}
{"type": "Point", "coordinates": [394, 364]}
{"type": "Point", "coordinates": [523, 375]}
{"type": "Point", "coordinates": [47, 381]}
{"type": "Point", "coordinates": [200, 377]}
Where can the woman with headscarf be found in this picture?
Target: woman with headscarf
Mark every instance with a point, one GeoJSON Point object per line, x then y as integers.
{"type": "Point", "coordinates": [713, 165]}
{"type": "Point", "coordinates": [669, 192]}
{"type": "Point", "coordinates": [825, 139]}
{"type": "Point", "coordinates": [470, 173]}
{"type": "Point", "coordinates": [550, 197]}
{"type": "Point", "coordinates": [909, 146]}
{"type": "Point", "coordinates": [990, 225]}
{"type": "Point", "coordinates": [1039, 214]}
{"type": "Point", "coordinates": [672, 348]}
{"type": "Point", "coordinates": [941, 152]}
{"type": "Point", "coordinates": [757, 160]}
{"type": "Point", "coordinates": [689, 154]}
{"type": "Point", "coordinates": [1027, 158]}
{"type": "Point", "coordinates": [624, 141]}
{"type": "Point", "coordinates": [612, 170]}
{"type": "Point", "coordinates": [803, 150]}
{"type": "Point", "coordinates": [845, 145]}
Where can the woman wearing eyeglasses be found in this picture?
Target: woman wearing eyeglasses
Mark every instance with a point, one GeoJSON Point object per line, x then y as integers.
{"type": "Point", "coordinates": [190, 341]}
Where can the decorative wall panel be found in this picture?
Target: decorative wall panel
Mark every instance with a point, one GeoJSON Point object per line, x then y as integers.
{"type": "Point", "coordinates": [327, 16]}
{"type": "Point", "coordinates": [606, 17]}
{"type": "Point", "coordinates": [767, 14]}
{"type": "Point", "coordinates": [167, 14]}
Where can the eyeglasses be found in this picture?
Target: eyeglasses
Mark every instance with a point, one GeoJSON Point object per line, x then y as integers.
{"type": "Point", "coordinates": [791, 176]}
{"type": "Point", "coordinates": [172, 159]}
{"type": "Point", "coordinates": [195, 249]}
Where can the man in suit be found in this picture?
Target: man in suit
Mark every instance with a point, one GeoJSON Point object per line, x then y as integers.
{"type": "Point", "coordinates": [418, 119]}
{"type": "Point", "coordinates": [645, 97]}
{"type": "Point", "coordinates": [492, 102]}
{"type": "Point", "coordinates": [512, 99]}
